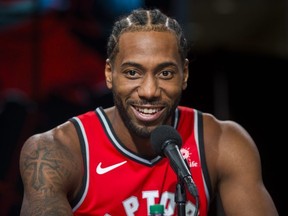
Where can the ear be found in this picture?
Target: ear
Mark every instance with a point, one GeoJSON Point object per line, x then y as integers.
{"type": "Point", "coordinates": [185, 74]}
{"type": "Point", "coordinates": [108, 73]}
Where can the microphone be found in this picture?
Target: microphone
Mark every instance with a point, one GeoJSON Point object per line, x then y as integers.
{"type": "Point", "coordinates": [166, 141]}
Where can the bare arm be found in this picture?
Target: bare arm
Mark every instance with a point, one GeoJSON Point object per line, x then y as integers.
{"type": "Point", "coordinates": [49, 170]}
{"type": "Point", "coordinates": [240, 176]}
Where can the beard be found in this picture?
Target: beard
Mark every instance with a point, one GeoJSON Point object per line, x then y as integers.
{"type": "Point", "coordinates": [142, 130]}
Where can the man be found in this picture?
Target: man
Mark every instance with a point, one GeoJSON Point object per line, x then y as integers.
{"type": "Point", "coordinates": [103, 163]}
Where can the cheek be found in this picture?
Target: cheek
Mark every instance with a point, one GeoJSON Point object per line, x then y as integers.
{"type": "Point", "coordinates": [176, 94]}
{"type": "Point", "coordinates": [122, 88]}
{"type": "Point", "coordinates": [173, 94]}
{"type": "Point", "coordinates": [171, 89]}
{"type": "Point", "coordinates": [122, 84]}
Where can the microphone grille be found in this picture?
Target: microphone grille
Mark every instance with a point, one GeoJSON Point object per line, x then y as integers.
{"type": "Point", "coordinates": [164, 133]}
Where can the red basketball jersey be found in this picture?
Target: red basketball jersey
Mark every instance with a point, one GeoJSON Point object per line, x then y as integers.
{"type": "Point", "coordinates": [119, 182]}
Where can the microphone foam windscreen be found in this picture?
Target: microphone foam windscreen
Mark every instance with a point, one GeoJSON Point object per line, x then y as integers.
{"type": "Point", "coordinates": [163, 133]}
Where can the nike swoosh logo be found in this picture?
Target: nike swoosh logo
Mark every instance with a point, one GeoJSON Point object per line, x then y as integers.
{"type": "Point", "coordinates": [100, 170]}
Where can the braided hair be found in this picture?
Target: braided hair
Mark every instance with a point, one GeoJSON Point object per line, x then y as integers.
{"type": "Point", "coordinates": [145, 20]}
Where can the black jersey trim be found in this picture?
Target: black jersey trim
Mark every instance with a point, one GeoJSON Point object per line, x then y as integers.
{"type": "Point", "coordinates": [202, 153]}
{"type": "Point", "coordinates": [80, 195]}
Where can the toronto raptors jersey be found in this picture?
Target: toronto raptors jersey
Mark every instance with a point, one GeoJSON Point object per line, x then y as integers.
{"type": "Point", "coordinates": [119, 182]}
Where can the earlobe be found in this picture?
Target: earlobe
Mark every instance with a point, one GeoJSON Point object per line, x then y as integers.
{"type": "Point", "coordinates": [184, 86]}
{"type": "Point", "coordinates": [185, 74]}
{"type": "Point", "coordinates": [108, 74]}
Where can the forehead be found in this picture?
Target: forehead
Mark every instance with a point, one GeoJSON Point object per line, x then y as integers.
{"type": "Point", "coordinates": [151, 44]}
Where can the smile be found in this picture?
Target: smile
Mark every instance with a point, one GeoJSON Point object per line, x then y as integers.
{"type": "Point", "coordinates": [148, 111]}
{"type": "Point", "coordinates": [147, 114]}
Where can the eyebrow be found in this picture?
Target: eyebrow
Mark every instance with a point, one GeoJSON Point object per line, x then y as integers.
{"type": "Point", "coordinates": [158, 67]}
{"type": "Point", "coordinates": [134, 64]}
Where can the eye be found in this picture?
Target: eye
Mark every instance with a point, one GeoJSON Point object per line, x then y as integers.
{"type": "Point", "coordinates": [132, 74]}
{"type": "Point", "coordinates": [166, 74]}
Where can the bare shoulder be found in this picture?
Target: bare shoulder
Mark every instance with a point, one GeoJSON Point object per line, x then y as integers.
{"type": "Point", "coordinates": [50, 162]}
{"type": "Point", "coordinates": [226, 133]}
{"type": "Point", "coordinates": [234, 166]}
{"type": "Point", "coordinates": [58, 137]}
{"type": "Point", "coordinates": [229, 148]}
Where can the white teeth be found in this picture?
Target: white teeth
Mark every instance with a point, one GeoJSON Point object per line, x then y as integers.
{"type": "Point", "coordinates": [147, 110]}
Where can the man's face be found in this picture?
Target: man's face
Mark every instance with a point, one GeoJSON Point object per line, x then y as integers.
{"type": "Point", "coordinates": [146, 79]}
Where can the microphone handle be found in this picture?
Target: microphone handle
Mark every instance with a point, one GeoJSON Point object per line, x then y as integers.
{"type": "Point", "coordinates": [191, 186]}
{"type": "Point", "coordinates": [180, 166]}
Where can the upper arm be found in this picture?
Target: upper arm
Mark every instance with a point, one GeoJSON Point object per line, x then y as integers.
{"type": "Point", "coordinates": [239, 174]}
{"type": "Point", "coordinates": [48, 170]}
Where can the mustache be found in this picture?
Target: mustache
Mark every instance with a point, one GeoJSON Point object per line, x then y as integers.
{"type": "Point", "coordinates": [145, 102]}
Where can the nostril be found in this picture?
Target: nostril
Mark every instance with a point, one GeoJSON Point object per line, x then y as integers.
{"type": "Point", "coordinates": [148, 92]}
{"type": "Point", "coordinates": [149, 88]}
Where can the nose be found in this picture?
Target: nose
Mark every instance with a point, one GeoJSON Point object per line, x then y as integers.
{"type": "Point", "coordinates": [149, 88]}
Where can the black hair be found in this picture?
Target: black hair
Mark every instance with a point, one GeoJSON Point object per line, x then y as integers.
{"type": "Point", "coordinates": [145, 20]}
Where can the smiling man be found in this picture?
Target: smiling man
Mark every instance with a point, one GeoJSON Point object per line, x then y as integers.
{"type": "Point", "coordinates": [102, 162]}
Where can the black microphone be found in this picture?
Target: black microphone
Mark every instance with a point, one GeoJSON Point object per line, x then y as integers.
{"type": "Point", "coordinates": [166, 141]}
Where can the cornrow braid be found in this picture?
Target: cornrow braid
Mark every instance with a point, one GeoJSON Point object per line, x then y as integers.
{"type": "Point", "coordinates": [145, 20]}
